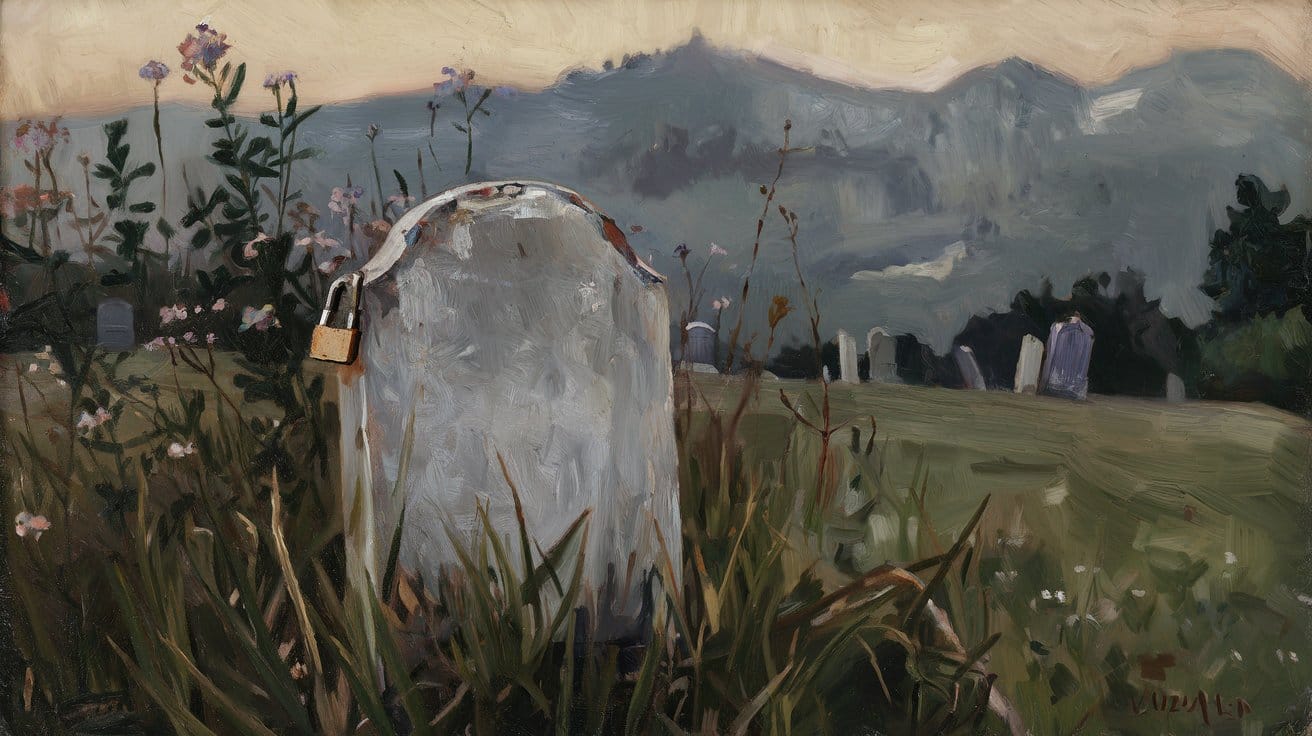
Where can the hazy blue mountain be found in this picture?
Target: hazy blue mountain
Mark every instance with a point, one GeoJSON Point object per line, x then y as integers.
{"type": "Point", "coordinates": [917, 209]}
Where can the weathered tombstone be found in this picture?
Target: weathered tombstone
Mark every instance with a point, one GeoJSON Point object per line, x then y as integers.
{"type": "Point", "coordinates": [701, 343]}
{"type": "Point", "coordinates": [970, 373]}
{"type": "Point", "coordinates": [512, 322]}
{"type": "Point", "coordinates": [1028, 365]}
{"type": "Point", "coordinates": [1070, 348]}
{"type": "Point", "coordinates": [1175, 389]}
{"type": "Point", "coordinates": [114, 329]}
{"type": "Point", "coordinates": [881, 349]}
{"type": "Point", "coordinates": [847, 370]}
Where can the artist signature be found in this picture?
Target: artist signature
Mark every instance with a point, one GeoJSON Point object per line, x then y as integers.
{"type": "Point", "coordinates": [1203, 705]}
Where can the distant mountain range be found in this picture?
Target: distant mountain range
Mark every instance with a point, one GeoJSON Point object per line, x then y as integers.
{"type": "Point", "coordinates": [917, 209]}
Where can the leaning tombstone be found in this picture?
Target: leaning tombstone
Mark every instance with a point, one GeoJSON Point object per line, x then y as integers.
{"type": "Point", "coordinates": [509, 333]}
{"type": "Point", "coordinates": [847, 362]}
{"type": "Point", "coordinates": [970, 372]}
{"type": "Point", "coordinates": [700, 347]}
{"type": "Point", "coordinates": [1028, 365]}
{"type": "Point", "coordinates": [1070, 348]}
{"type": "Point", "coordinates": [881, 349]}
{"type": "Point", "coordinates": [114, 329]}
{"type": "Point", "coordinates": [1175, 393]}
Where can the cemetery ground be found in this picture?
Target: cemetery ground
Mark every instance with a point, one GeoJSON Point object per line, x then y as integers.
{"type": "Point", "coordinates": [1126, 573]}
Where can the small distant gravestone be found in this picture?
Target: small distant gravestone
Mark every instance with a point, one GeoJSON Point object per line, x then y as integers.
{"type": "Point", "coordinates": [512, 321]}
{"type": "Point", "coordinates": [114, 329]}
{"type": "Point", "coordinates": [1028, 365]}
{"type": "Point", "coordinates": [881, 349]}
{"type": "Point", "coordinates": [1070, 348]}
{"type": "Point", "coordinates": [847, 360]}
{"type": "Point", "coordinates": [970, 372]}
{"type": "Point", "coordinates": [1175, 389]}
{"type": "Point", "coordinates": [701, 343]}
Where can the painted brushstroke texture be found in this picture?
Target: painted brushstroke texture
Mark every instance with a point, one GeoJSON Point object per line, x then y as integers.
{"type": "Point", "coordinates": [1002, 161]}
{"type": "Point", "coordinates": [514, 327]}
{"type": "Point", "coordinates": [395, 45]}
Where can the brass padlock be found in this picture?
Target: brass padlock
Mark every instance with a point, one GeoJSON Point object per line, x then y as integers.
{"type": "Point", "coordinates": [338, 344]}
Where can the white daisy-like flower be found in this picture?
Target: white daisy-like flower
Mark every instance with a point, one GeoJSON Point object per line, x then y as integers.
{"type": "Point", "coordinates": [1137, 593]}
{"type": "Point", "coordinates": [1061, 596]}
{"type": "Point", "coordinates": [1230, 558]}
{"type": "Point", "coordinates": [1045, 594]}
{"type": "Point", "coordinates": [178, 450]}
{"type": "Point", "coordinates": [1080, 569]}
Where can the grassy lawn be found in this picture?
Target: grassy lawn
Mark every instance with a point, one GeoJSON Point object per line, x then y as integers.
{"type": "Point", "coordinates": [1132, 551]}
{"type": "Point", "coordinates": [1168, 529]}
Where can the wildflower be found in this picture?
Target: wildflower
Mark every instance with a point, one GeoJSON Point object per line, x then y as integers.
{"type": "Point", "coordinates": [456, 81]}
{"type": "Point", "coordinates": [197, 309]}
{"type": "Point", "coordinates": [251, 251]}
{"type": "Point", "coordinates": [1137, 593]}
{"type": "Point", "coordinates": [209, 338]}
{"type": "Point", "coordinates": [715, 305]}
{"type": "Point", "coordinates": [1280, 656]}
{"type": "Point", "coordinates": [261, 319]}
{"type": "Point", "coordinates": [1293, 656]}
{"type": "Point", "coordinates": [177, 450]}
{"type": "Point", "coordinates": [154, 71]}
{"type": "Point", "coordinates": [39, 137]}
{"type": "Point", "coordinates": [189, 336]}
{"type": "Point", "coordinates": [203, 49]}
{"type": "Point", "coordinates": [172, 341]}
{"type": "Point", "coordinates": [1305, 599]}
{"type": "Point", "coordinates": [681, 250]}
{"type": "Point", "coordinates": [718, 251]}
{"type": "Point", "coordinates": [344, 199]}
{"type": "Point", "coordinates": [331, 252]}
{"type": "Point", "coordinates": [30, 524]}
{"type": "Point", "coordinates": [279, 79]}
{"type": "Point", "coordinates": [1079, 569]}
{"type": "Point", "coordinates": [86, 422]}
{"type": "Point", "coordinates": [89, 421]}
{"type": "Point", "coordinates": [219, 305]}
{"type": "Point", "coordinates": [372, 131]}
{"type": "Point", "coordinates": [503, 91]}
{"type": "Point", "coordinates": [299, 671]}
{"type": "Point", "coordinates": [1230, 558]}
{"type": "Point", "coordinates": [155, 344]}
{"type": "Point", "coordinates": [1046, 594]}
{"type": "Point", "coordinates": [1061, 596]}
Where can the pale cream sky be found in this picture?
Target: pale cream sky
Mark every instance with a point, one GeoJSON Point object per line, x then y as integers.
{"type": "Point", "coordinates": [78, 56]}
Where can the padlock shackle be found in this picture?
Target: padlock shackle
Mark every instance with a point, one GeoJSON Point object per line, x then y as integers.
{"type": "Point", "coordinates": [331, 303]}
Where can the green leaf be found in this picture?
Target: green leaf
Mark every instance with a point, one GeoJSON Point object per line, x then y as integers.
{"type": "Point", "coordinates": [400, 182]}
{"type": "Point", "coordinates": [235, 89]}
{"type": "Point", "coordinates": [142, 207]}
{"type": "Point", "coordinates": [268, 119]}
{"type": "Point", "coordinates": [215, 122]}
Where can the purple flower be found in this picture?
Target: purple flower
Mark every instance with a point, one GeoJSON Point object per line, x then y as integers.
{"type": "Point", "coordinates": [681, 250]}
{"type": "Point", "coordinates": [372, 132]}
{"type": "Point", "coordinates": [203, 48]}
{"type": "Point", "coordinates": [279, 79]}
{"type": "Point", "coordinates": [456, 81]}
{"type": "Point", "coordinates": [261, 319]}
{"type": "Point", "coordinates": [154, 71]}
{"type": "Point", "coordinates": [717, 250]}
{"type": "Point", "coordinates": [344, 198]}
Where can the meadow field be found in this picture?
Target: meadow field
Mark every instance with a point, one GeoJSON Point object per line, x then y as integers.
{"type": "Point", "coordinates": [1137, 568]}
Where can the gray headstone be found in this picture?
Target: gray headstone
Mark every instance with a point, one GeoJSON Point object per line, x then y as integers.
{"type": "Point", "coordinates": [970, 373]}
{"type": "Point", "coordinates": [1070, 348]}
{"type": "Point", "coordinates": [114, 329]}
{"type": "Point", "coordinates": [1028, 365]}
{"type": "Point", "coordinates": [700, 347]}
{"type": "Point", "coordinates": [1175, 389]}
{"type": "Point", "coordinates": [847, 360]}
{"type": "Point", "coordinates": [514, 319]}
{"type": "Point", "coordinates": [881, 349]}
